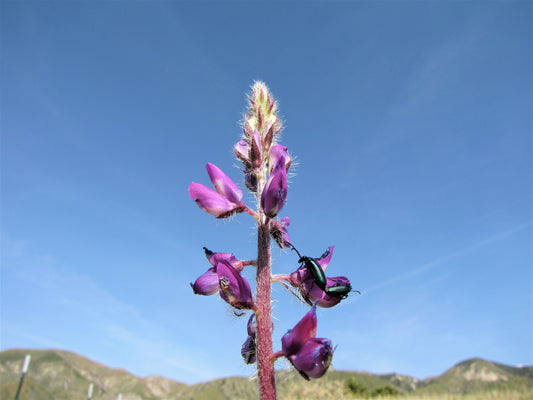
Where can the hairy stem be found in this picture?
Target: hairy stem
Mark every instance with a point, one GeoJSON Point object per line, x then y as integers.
{"type": "Point", "coordinates": [265, 367]}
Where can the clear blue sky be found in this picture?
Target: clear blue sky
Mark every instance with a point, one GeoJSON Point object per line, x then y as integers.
{"type": "Point", "coordinates": [411, 126]}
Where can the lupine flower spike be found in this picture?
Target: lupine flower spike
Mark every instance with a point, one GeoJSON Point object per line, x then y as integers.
{"type": "Point", "coordinates": [266, 164]}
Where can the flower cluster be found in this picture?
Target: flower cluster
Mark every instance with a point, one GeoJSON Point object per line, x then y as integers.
{"type": "Point", "coordinates": [265, 167]}
{"type": "Point", "coordinates": [310, 355]}
{"type": "Point", "coordinates": [225, 278]}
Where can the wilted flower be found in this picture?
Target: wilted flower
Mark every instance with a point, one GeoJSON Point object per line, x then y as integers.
{"type": "Point", "coordinates": [279, 232]}
{"type": "Point", "coordinates": [248, 349]}
{"type": "Point", "coordinates": [222, 202]}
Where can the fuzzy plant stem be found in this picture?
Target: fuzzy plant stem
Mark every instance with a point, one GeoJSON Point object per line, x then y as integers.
{"type": "Point", "coordinates": [265, 366]}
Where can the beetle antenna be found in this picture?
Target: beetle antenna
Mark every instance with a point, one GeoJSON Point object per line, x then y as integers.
{"type": "Point", "coordinates": [297, 252]}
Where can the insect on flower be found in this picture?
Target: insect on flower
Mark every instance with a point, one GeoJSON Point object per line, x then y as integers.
{"type": "Point", "coordinates": [338, 290]}
{"type": "Point", "coordinates": [314, 269]}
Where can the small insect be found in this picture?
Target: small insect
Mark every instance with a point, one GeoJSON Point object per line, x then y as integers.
{"type": "Point", "coordinates": [319, 277]}
{"type": "Point", "coordinates": [314, 269]}
{"type": "Point", "coordinates": [340, 291]}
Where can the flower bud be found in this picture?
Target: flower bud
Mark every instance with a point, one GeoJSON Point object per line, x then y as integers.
{"type": "Point", "coordinates": [279, 232]}
{"type": "Point", "coordinates": [242, 150]}
{"type": "Point", "coordinates": [256, 153]}
{"type": "Point", "coordinates": [250, 180]}
{"type": "Point", "coordinates": [275, 192]}
{"type": "Point", "coordinates": [252, 326]}
{"type": "Point", "coordinates": [280, 154]}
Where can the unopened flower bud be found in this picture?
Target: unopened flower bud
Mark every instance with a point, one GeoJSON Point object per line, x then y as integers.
{"type": "Point", "coordinates": [242, 150]}
{"type": "Point", "coordinates": [279, 232]}
{"type": "Point", "coordinates": [275, 192]}
{"type": "Point", "coordinates": [280, 154]}
{"type": "Point", "coordinates": [250, 180]}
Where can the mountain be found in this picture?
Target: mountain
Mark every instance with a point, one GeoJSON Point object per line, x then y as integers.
{"type": "Point", "coordinates": [477, 374]}
{"type": "Point", "coordinates": [62, 375]}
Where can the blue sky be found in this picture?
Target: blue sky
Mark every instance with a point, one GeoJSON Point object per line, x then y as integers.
{"type": "Point", "coordinates": [410, 124]}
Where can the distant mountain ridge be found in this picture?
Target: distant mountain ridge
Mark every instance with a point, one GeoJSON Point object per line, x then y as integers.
{"type": "Point", "coordinates": [59, 374]}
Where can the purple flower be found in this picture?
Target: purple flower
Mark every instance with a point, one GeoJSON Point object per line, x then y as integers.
{"type": "Point", "coordinates": [280, 154]}
{"type": "Point", "coordinates": [207, 283]}
{"type": "Point", "coordinates": [241, 150]}
{"type": "Point", "coordinates": [311, 356]}
{"type": "Point", "coordinates": [224, 185]}
{"type": "Point", "coordinates": [222, 202]}
{"type": "Point", "coordinates": [279, 232]}
{"type": "Point", "coordinates": [275, 191]}
{"type": "Point", "coordinates": [314, 358]}
{"type": "Point", "coordinates": [295, 338]}
{"type": "Point", "coordinates": [314, 293]}
{"type": "Point", "coordinates": [303, 280]}
{"type": "Point", "coordinates": [215, 258]}
{"type": "Point", "coordinates": [234, 289]}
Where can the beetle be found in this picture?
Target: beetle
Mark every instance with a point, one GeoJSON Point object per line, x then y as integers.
{"type": "Point", "coordinates": [314, 269]}
{"type": "Point", "coordinates": [340, 291]}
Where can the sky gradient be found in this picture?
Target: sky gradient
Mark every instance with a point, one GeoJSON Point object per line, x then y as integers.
{"type": "Point", "coordinates": [410, 124]}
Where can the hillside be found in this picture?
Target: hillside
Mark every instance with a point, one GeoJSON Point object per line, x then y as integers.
{"type": "Point", "coordinates": [62, 375]}
{"type": "Point", "coordinates": [476, 374]}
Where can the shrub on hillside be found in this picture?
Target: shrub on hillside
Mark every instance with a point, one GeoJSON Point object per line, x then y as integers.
{"type": "Point", "coordinates": [355, 388]}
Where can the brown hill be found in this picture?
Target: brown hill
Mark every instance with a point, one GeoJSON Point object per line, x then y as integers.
{"type": "Point", "coordinates": [62, 375]}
